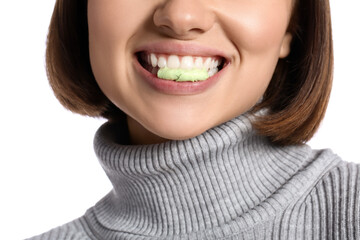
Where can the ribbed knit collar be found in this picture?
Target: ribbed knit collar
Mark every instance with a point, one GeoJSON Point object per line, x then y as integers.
{"type": "Point", "coordinates": [180, 188]}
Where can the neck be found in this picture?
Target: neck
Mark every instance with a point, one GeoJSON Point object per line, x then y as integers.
{"type": "Point", "coordinates": [178, 187]}
{"type": "Point", "coordinates": [140, 135]}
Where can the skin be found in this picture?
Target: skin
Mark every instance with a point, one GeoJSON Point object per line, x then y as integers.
{"type": "Point", "coordinates": [252, 32]}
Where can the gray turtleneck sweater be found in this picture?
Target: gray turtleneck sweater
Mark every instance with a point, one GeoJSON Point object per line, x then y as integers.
{"type": "Point", "coordinates": [227, 183]}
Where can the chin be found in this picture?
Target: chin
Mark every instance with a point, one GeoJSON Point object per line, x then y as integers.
{"type": "Point", "coordinates": [182, 135]}
{"type": "Point", "coordinates": [180, 131]}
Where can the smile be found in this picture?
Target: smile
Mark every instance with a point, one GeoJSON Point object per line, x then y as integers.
{"type": "Point", "coordinates": [180, 68]}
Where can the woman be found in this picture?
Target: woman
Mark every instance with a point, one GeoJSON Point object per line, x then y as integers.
{"type": "Point", "coordinates": [209, 104]}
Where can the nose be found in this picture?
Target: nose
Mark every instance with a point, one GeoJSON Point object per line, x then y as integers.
{"type": "Point", "coordinates": [183, 19]}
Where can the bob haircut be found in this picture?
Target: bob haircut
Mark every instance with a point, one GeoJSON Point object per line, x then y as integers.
{"type": "Point", "coordinates": [296, 98]}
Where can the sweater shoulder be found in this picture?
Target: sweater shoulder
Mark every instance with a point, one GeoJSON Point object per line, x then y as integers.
{"type": "Point", "coordinates": [74, 230]}
{"type": "Point", "coordinates": [332, 207]}
{"type": "Point", "coordinates": [341, 181]}
{"type": "Point", "coordinates": [333, 176]}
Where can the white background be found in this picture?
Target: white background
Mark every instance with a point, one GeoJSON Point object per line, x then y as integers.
{"type": "Point", "coordinates": [49, 174]}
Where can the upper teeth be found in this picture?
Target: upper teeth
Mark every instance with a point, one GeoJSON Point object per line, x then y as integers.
{"type": "Point", "coordinates": [183, 62]}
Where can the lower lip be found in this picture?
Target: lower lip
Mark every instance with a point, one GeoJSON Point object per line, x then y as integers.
{"type": "Point", "coordinates": [177, 88]}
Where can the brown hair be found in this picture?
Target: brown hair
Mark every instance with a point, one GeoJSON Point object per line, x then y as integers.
{"type": "Point", "coordinates": [68, 62]}
{"type": "Point", "coordinates": [298, 94]}
{"type": "Point", "coordinates": [296, 97]}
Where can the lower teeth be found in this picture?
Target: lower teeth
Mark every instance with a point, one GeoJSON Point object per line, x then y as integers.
{"type": "Point", "coordinates": [181, 75]}
{"type": "Point", "coordinates": [212, 72]}
{"type": "Point", "coordinates": [184, 75]}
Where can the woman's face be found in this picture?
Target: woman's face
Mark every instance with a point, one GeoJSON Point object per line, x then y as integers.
{"type": "Point", "coordinates": [246, 37]}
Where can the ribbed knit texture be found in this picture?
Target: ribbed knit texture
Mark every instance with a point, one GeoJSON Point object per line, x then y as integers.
{"type": "Point", "coordinates": [227, 183]}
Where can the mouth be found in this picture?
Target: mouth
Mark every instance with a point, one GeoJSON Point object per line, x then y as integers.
{"type": "Point", "coordinates": [181, 68]}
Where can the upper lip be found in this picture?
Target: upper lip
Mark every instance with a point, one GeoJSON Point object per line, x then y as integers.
{"type": "Point", "coordinates": [182, 49]}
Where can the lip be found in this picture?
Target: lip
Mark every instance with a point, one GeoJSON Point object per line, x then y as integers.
{"type": "Point", "coordinates": [192, 49]}
{"type": "Point", "coordinates": [173, 87]}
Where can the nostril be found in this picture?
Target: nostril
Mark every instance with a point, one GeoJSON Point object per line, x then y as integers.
{"type": "Point", "coordinates": [197, 30]}
{"type": "Point", "coordinates": [183, 19]}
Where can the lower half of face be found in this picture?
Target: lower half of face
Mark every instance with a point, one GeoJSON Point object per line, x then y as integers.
{"type": "Point", "coordinates": [214, 64]}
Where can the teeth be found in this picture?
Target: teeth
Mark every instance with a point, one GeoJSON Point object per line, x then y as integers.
{"type": "Point", "coordinates": [187, 62]}
{"type": "Point", "coordinates": [212, 72]}
{"type": "Point", "coordinates": [207, 63]}
{"type": "Point", "coordinates": [214, 63]}
{"type": "Point", "coordinates": [198, 63]}
{"type": "Point", "coordinates": [211, 64]}
{"type": "Point", "coordinates": [162, 62]}
{"type": "Point", "coordinates": [173, 62]}
{"type": "Point", "coordinates": [153, 60]}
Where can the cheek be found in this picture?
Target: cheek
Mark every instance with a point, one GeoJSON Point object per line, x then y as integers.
{"type": "Point", "coordinates": [113, 20]}
{"type": "Point", "coordinates": [257, 31]}
{"type": "Point", "coordinates": [106, 36]}
{"type": "Point", "coordinates": [112, 24]}
{"type": "Point", "coordinates": [260, 37]}
{"type": "Point", "coordinates": [111, 27]}
{"type": "Point", "coordinates": [256, 26]}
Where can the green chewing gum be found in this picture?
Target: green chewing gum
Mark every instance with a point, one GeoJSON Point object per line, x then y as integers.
{"type": "Point", "coordinates": [183, 75]}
